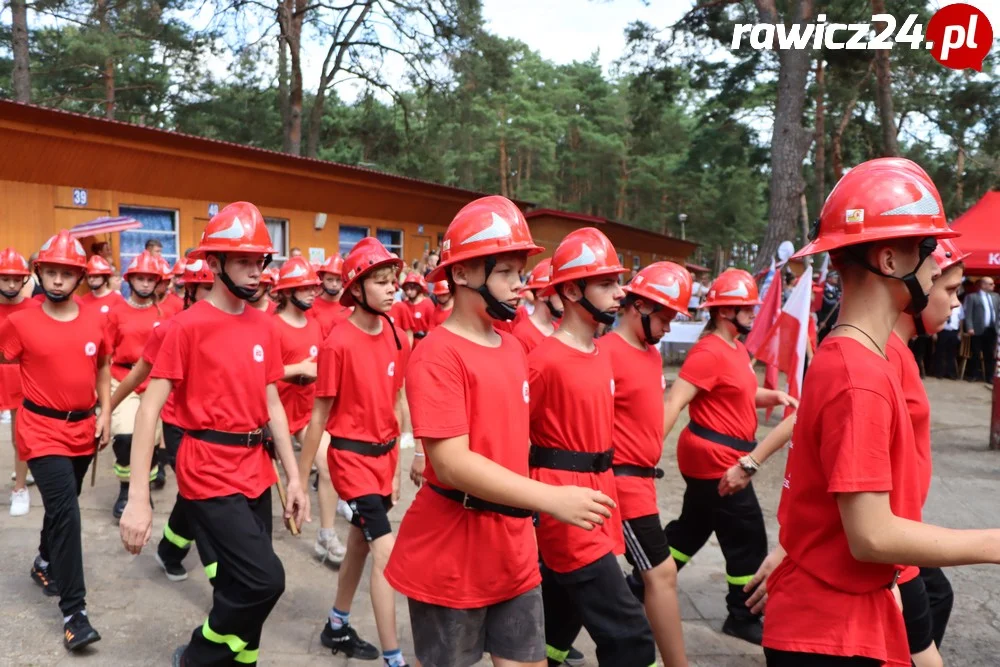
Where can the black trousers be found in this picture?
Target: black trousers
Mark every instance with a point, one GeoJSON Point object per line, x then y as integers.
{"type": "Point", "coordinates": [946, 355]}
{"type": "Point", "coordinates": [983, 347]}
{"type": "Point", "coordinates": [941, 598]}
{"type": "Point", "coordinates": [59, 480]}
{"type": "Point", "coordinates": [178, 534]}
{"type": "Point", "coordinates": [736, 520]}
{"type": "Point", "coordinates": [233, 534]}
{"type": "Point", "coordinates": [789, 659]}
{"type": "Point", "coordinates": [596, 597]}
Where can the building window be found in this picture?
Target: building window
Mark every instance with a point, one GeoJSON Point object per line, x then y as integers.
{"type": "Point", "coordinates": [636, 262]}
{"type": "Point", "coordinates": [157, 223]}
{"type": "Point", "coordinates": [621, 259]}
{"type": "Point", "coordinates": [278, 229]}
{"type": "Point", "coordinates": [392, 239]}
{"type": "Point", "coordinates": [440, 240]}
{"type": "Point", "coordinates": [349, 236]}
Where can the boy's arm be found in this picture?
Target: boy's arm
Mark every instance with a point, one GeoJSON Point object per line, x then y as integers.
{"type": "Point", "coordinates": [137, 521]}
{"type": "Point", "coordinates": [134, 378]}
{"type": "Point", "coordinates": [103, 428]}
{"type": "Point", "coordinates": [297, 502]}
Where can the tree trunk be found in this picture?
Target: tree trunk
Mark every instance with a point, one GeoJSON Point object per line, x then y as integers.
{"type": "Point", "coordinates": [108, 71]}
{"type": "Point", "coordinates": [838, 151]}
{"type": "Point", "coordinates": [959, 179]}
{"type": "Point", "coordinates": [620, 205]}
{"type": "Point", "coordinates": [315, 122]}
{"type": "Point", "coordinates": [290, 22]}
{"type": "Point", "coordinates": [504, 160]}
{"type": "Point", "coordinates": [790, 141]}
{"type": "Point", "coordinates": [883, 93]}
{"type": "Point", "coordinates": [820, 159]}
{"type": "Point", "coordinates": [527, 169]}
{"type": "Point", "coordinates": [283, 99]}
{"type": "Point", "coordinates": [19, 45]}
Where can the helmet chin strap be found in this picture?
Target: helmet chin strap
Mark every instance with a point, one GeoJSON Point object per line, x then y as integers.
{"type": "Point", "coordinates": [332, 293]}
{"type": "Point", "coordinates": [13, 295]}
{"type": "Point", "coordinates": [918, 297]}
{"type": "Point", "coordinates": [140, 294]}
{"type": "Point", "coordinates": [647, 325]}
{"type": "Point", "coordinates": [368, 309]}
{"type": "Point", "coordinates": [298, 304]}
{"type": "Point", "coordinates": [58, 298]}
{"type": "Point", "coordinates": [104, 282]}
{"type": "Point", "coordinates": [496, 309]}
{"type": "Point", "coordinates": [240, 292]}
{"type": "Point", "coordinates": [742, 329]}
{"type": "Point", "coordinates": [918, 324]}
{"type": "Point", "coordinates": [555, 312]}
{"type": "Point", "coordinates": [600, 316]}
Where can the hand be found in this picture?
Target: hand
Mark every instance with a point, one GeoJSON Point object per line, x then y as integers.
{"type": "Point", "coordinates": [307, 368]}
{"type": "Point", "coordinates": [296, 503]}
{"type": "Point", "coordinates": [781, 398]}
{"type": "Point", "coordinates": [735, 479]}
{"type": "Point", "coordinates": [580, 506]}
{"type": "Point", "coordinates": [102, 430]}
{"type": "Point", "coordinates": [417, 470]}
{"type": "Point", "coordinates": [395, 488]}
{"type": "Point", "coordinates": [971, 332]}
{"type": "Point", "coordinates": [758, 584]}
{"type": "Point", "coordinates": [136, 525]}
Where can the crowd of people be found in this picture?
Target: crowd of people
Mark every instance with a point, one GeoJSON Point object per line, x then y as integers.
{"type": "Point", "coordinates": [537, 439]}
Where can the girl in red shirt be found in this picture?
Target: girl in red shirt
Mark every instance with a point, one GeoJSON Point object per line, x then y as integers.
{"type": "Point", "coordinates": [854, 467]}
{"type": "Point", "coordinates": [327, 309]}
{"type": "Point", "coordinates": [300, 338]}
{"type": "Point", "coordinates": [542, 322]}
{"type": "Point", "coordinates": [13, 277]}
{"type": "Point", "coordinates": [129, 326]}
{"type": "Point", "coordinates": [445, 302]}
{"type": "Point", "coordinates": [718, 385]}
{"type": "Point", "coordinates": [261, 299]}
{"type": "Point", "coordinates": [421, 308]}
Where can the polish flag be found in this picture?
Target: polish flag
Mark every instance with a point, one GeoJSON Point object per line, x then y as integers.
{"type": "Point", "coordinates": [767, 317]}
{"type": "Point", "coordinates": [784, 345]}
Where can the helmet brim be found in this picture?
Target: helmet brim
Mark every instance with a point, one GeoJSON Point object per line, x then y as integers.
{"type": "Point", "coordinates": [439, 271]}
{"type": "Point", "coordinates": [838, 241]}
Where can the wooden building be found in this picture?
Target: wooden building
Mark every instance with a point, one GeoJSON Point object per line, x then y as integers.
{"type": "Point", "coordinates": [61, 169]}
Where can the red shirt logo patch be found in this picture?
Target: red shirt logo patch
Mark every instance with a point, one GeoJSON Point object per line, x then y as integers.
{"type": "Point", "coordinates": [525, 392]}
{"type": "Point", "coordinates": [90, 349]}
{"type": "Point", "coordinates": [105, 309]}
{"type": "Point", "coordinates": [612, 386]}
{"type": "Point", "coordinates": [258, 354]}
{"type": "Point", "coordinates": [156, 324]}
{"type": "Point", "coordinates": [392, 368]}
{"type": "Point", "coordinates": [313, 351]}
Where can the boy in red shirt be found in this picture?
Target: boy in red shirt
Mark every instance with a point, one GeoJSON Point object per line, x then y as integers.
{"type": "Point", "coordinates": [542, 322]}
{"type": "Point", "coordinates": [129, 326]}
{"type": "Point", "coordinates": [654, 297]}
{"type": "Point", "coordinates": [853, 469]}
{"type": "Point", "coordinates": [360, 374]}
{"type": "Point", "coordinates": [222, 359]}
{"type": "Point", "coordinates": [445, 302]}
{"type": "Point", "coordinates": [64, 375]}
{"type": "Point", "coordinates": [421, 307]}
{"type": "Point", "coordinates": [170, 304]}
{"type": "Point", "coordinates": [261, 298]}
{"type": "Point", "coordinates": [100, 296]}
{"type": "Point", "coordinates": [327, 309]}
{"type": "Point", "coordinates": [13, 277]}
{"type": "Point", "coordinates": [470, 402]}
{"type": "Point", "coordinates": [572, 417]}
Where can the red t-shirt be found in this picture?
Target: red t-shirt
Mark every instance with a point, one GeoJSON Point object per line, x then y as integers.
{"type": "Point", "coordinates": [638, 426]}
{"type": "Point", "coordinates": [421, 315]}
{"type": "Point", "coordinates": [726, 404]}
{"type": "Point", "coordinates": [59, 362]}
{"type": "Point", "coordinates": [104, 304]}
{"type": "Point", "coordinates": [10, 374]}
{"type": "Point", "coordinates": [328, 314]}
{"type": "Point", "coordinates": [445, 554]}
{"type": "Point", "coordinates": [861, 440]}
{"type": "Point", "coordinates": [128, 329]}
{"type": "Point", "coordinates": [220, 365]}
{"type": "Point", "coordinates": [363, 374]}
{"type": "Point", "coordinates": [401, 316]}
{"type": "Point", "coordinates": [573, 408]}
{"type": "Point", "coordinates": [149, 352]}
{"type": "Point", "coordinates": [919, 409]}
{"type": "Point", "coordinates": [529, 334]}
{"type": "Point", "coordinates": [171, 305]}
{"type": "Point", "coordinates": [297, 344]}
{"type": "Point", "coordinates": [440, 315]}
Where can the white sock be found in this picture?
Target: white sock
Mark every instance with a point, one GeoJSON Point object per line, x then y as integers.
{"type": "Point", "coordinates": [41, 563]}
{"type": "Point", "coordinates": [325, 534]}
{"type": "Point", "coordinates": [66, 618]}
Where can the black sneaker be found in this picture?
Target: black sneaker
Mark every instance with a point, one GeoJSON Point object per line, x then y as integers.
{"type": "Point", "coordinates": [174, 571]}
{"type": "Point", "coordinates": [178, 659]}
{"type": "Point", "coordinates": [119, 507]}
{"type": "Point", "coordinates": [346, 641]}
{"type": "Point", "coordinates": [40, 575]}
{"type": "Point", "coordinates": [78, 633]}
{"type": "Point", "coordinates": [574, 658]}
{"type": "Point", "coordinates": [748, 629]}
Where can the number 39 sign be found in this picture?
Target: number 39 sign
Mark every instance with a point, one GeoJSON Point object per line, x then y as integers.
{"type": "Point", "coordinates": [79, 197]}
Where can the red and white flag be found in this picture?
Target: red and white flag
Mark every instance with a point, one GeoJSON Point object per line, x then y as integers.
{"type": "Point", "coordinates": [767, 317]}
{"type": "Point", "coordinates": [785, 343]}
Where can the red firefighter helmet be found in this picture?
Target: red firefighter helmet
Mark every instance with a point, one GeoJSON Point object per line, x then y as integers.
{"type": "Point", "coordinates": [98, 266]}
{"type": "Point", "coordinates": [168, 272]}
{"type": "Point", "coordinates": [948, 254]}
{"type": "Point", "coordinates": [879, 200]}
{"type": "Point", "coordinates": [145, 263]}
{"type": "Point", "coordinates": [64, 250]}
{"type": "Point", "coordinates": [179, 267]}
{"type": "Point", "coordinates": [12, 263]}
{"type": "Point", "coordinates": [196, 272]}
{"type": "Point", "coordinates": [441, 288]}
{"type": "Point", "coordinates": [334, 265]}
{"type": "Point", "coordinates": [584, 253]}
{"type": "Point", "coordinates": [416, 279]}
{"type": "Point", "coordinates": [733, 287]}
{"type": "Point", "coordinates": [663, 283]}
{"type": "Point", "coordinates": [296, 273]}
{"type": "Point", "coordinates": [538, 279]}
{"type": "Point", "coordinates": [238, 227]}
{"type": "Point", "coordinates": [487, 226]}
{"type": "Point", "coordinates": [269, 276]}
{"type": "Point", "coordinates": [367, 255]}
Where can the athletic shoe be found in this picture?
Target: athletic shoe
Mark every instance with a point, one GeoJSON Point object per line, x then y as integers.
{"type": "Point", "coordinates": [174, 571]}
{"type": "Point", "coordinates": [30, 481]}
{"type": "Point", "coordinates": [20, 502]}
{"type": "Point", "coordinates": [331, 549]}
{"type": "Point", "coordinates": [40, 575]}
{"type": "Point", "coordinates": [178, 659]}
{"type": "Point", "coordinates": [77, 632]}
{"type": "Point", "coordinates": [344, 510]}
{"type": "Point", "coordinates": [346, 641]}
{"type": "Point", "coordinates": [119, 507]}
{"type": "Point", "coordinates": [574, 658]}
{"type": "Point", "coordinates": [406, 441]}
{"type": "Point", "coordinates": [748, 629]}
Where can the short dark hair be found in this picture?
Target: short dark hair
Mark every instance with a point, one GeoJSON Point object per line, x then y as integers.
{"type": "Point", "coordinates": [97, 246]}
{"type": "Point", "coordinates": [153, 243]}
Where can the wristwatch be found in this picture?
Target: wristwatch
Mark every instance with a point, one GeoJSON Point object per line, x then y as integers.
{"type": "Point", "coordinates": [749, 466]}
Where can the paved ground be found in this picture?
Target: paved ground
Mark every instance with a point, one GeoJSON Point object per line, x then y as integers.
{"type": "Point", "coordinates": [143, 617]}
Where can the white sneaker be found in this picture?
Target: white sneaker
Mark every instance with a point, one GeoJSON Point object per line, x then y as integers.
{"type": "Point", "coordinates": [29, 480]}
{"type": "Point", "coordinates": [332, 549]}
{"type": "Point", "coordinates": [406, 441]}
{"type": "Point", "coordinates": [344, 510]}
{"type": "Point", "coordinates": [20, 502]}
{"type": "Point", "coordinates": [4, 416]}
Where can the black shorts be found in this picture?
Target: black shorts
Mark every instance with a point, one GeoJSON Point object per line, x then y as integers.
{"type": "Point", "coordinates": [645, 542]}
{"type": "Point", "coordinates": [790, 659]}
{"type": "Point", "coordinates": [371, 515]}
{"type": "Point", "coordinates": [172, 436]}
{"type": "Point", "coordinates": [917, 615]}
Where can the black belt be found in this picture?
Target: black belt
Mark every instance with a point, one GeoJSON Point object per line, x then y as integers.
{"type": "Point", "coordinates": [419, 334]}
{"type": "Point", "coordinates": [251, 439]}
{"type": "Point", "coordinates": [128, 366]}
{"type": "Point", "coordinates": [473, 503]}
{"type": "Point", "coordinates": [563, 459]}
{"type": "Point", "coordinates": [363, 448]}
{"type": "Point", "coordinates": [625, 470]}
{"type": "Point", "coordinates": [721, 438]}
{"type": "Point", "coordinates": [301, 380]}
{"type": "Point", "coordinates": [61, 415]}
